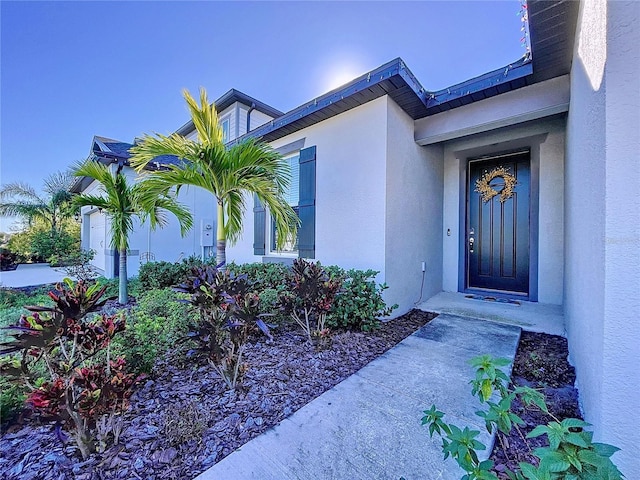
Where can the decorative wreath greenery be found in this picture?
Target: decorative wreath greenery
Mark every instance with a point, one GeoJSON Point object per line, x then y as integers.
{"type": "Point", "coordinates": [485, 190]}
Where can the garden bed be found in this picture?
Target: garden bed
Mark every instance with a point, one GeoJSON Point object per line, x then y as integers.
{"type": "Point", "coordinates": [541, 362]}
{"type": "Point", "coordinates": [183, 420]}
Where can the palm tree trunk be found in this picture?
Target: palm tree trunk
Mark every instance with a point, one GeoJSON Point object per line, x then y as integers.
{"type": "Point", "coordinates": [123, 296]}
{"type": "Point", "coordinates": [221, 246]}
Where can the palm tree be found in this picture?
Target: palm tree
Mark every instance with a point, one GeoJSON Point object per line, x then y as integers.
{"type": "Point", "coordinates": [247, 167]}
{"type": "Point", "coordinates": [21, 200]}
{"type": "Point", "coordinates": [122, 202]}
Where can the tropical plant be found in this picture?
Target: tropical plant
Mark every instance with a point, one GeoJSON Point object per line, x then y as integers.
{"type": "Point", "coordinates": [360, 304]}
{"type": "Point", "coordinates": [310, 297]}
{"type": "Point", "coordinates": [155, 275]}
{"type": "Point", "coordinates": [86, 390]}
{"type": "Point", "coordinates": [122, 202]}
{"type": "Point", "coordinates": [154, 326]}
{"type": "Point", "coordinates": [22, 200]}
{"type": "Point", "coordinates": [230, 174]}
{"type": "Point", "coordinates": [267, 275]}
{"type": "Point", "coordinates": [228, 308]}
{"type": "Point", "coordinates": [571, 453]}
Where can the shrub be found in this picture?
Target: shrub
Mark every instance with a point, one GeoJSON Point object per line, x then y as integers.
{"type": "Point", "coordinates": [81, 391]}
{"type": "Point", "coordinates": [12, 298]}
{"type": "Point", "coordinates": [51, 246]}
{"type": "Point", "coordinates": [155, 275]}
{"type": "Point", "coordinates": [310, 296]}
{"type": "Point", "coordinates": [155, 324]}
{"type": "Point", "coordinates": [78, 265]}
{"type": "Point", "coordinates": [360, 303]}
{"type": "Point", "coordinates": [8, 259]}
{"type": "Point", "coordinates": [228, 309]}
{"type": "Point", "coordinates": [267, 275]}
{"type": "Point", "coordinates": [571, 452]}
{"type": "Point", "coordinates": [12, 397]}
{"type": "Point", "coordinates": [112, 285]}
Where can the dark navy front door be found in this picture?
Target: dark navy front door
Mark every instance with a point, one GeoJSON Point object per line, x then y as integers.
{"type": "Point", "coordinates": [497, 236]}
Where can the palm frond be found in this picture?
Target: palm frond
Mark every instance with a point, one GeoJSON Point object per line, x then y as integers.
{"type": "Point", "coordinates": [205, 118]}
{"type": "Point", "coordinates": [22, 191]}
{"type": "Point", "coordinates": [58, 182]}
{"type": "Point", "coordinates": [151, 147]}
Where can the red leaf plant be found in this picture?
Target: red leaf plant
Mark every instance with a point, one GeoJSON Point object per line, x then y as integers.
{"type": "Point", "coordinates": [84, 384]}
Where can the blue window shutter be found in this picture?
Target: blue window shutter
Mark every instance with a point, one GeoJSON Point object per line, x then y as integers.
{"type": "Point", "coordinates": [259, 227]}
{"type": "Point", "coordinates": [307, 204]}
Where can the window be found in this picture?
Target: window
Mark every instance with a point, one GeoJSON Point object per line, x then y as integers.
{"type": "Point", "coordinates": [292, 196]}
{"type": "Point", "coordinates": [302, 196]}
{"type": "Point", "coordinates": [225, 124]}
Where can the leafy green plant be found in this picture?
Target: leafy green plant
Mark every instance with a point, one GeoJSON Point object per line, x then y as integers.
{"type": "Point", "coordinates": [360, 304]}
{"type": "Point", "coordinates": [78, 265]}
{"type": "Point", "coordinates": [571, 453]}
{"type": "Point", "coordinates": [228, 308]}
{"type": "Point", "coordinates": [154, 325]}
{"type": "Point", "coordinates": [155, 275]}
{"type": "Point", "coordinates": [310, 297]}
{"type": "Point", "coordinates": [12, 399]}
{"type": "Point", "coordinates": [84, 384]}
{"type": "Point", "coordinates": [266, 275]}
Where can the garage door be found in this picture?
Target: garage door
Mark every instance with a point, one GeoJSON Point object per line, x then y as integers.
{"type": "Point", "coordinates": [97, 239]}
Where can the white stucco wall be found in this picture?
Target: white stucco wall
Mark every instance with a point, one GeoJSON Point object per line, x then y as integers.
{"type": "Point", "coordinates": [545, 138]}
{"type": "Point", "coordinates": [413, 228]}
{"type": "Point", "coordinates": [602, 301]}
{"type": "Point", "coordinates": [350, 186]}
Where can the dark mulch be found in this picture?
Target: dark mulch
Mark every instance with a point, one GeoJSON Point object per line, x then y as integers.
{"type": "Point", "coordinates": [183, 421]}
{"type": "Point", "coordinates": [541, 362]}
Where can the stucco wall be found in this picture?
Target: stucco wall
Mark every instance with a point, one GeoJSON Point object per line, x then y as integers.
{"type": "Point", "coordinates": [413, 229]}
{"type": "Point", "coordinates": [545, 138]}
{"type": "Point", "coordinates": [603, 223]}
{"type": "Point", "coordinates": [350, 186]}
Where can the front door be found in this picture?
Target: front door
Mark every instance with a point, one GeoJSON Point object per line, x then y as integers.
{"type": "Point", "coordinates": [497, 236]}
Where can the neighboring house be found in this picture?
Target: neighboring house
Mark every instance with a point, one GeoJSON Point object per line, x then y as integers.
{"type": "Point", "coordinates": [238, 113]}
{"type": "Point", "coordinates": [524, 182]}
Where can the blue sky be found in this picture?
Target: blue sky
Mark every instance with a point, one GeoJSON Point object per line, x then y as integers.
{"type": "Point", "coordinates": [71, 70]}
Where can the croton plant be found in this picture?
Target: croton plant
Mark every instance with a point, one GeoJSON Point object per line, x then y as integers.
{"type": "Point", "coordinates": [82, 383]}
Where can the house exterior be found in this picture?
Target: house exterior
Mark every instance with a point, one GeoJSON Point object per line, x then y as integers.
{"type": "Point", "coordinates": [524, 182]}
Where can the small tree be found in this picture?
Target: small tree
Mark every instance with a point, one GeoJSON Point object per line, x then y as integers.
{"type": "Point", "coordinates": [22, 200]}
{"type": "Point", "coordinates": [248, 167]}
{"type": "Point", "coordinates": [122, 202]}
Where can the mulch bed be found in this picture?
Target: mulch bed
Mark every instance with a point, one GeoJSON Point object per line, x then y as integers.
{"type": "Point", "coordinates": [541, 362]}
{"type": "Point", "coordinates": [183, 420]}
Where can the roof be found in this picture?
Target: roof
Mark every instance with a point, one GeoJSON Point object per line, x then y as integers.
{"type": "Point", "coordinates": [228, 99]}
{"type": "Point", "coordinates": [552, 26]}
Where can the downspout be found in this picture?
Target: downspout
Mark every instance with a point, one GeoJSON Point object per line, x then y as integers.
{"type": "Point", "coordinates": [253, 107]}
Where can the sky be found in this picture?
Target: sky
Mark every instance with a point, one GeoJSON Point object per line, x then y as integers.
{"type": "Point", "coordinates": [72, 70]}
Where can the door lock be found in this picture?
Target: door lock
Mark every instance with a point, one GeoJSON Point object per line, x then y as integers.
{"type": "Point", "coordinates": [471, 242]}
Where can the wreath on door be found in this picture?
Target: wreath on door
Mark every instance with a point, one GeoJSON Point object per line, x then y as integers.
{"type": "Point", "coordinates": [484, 188]}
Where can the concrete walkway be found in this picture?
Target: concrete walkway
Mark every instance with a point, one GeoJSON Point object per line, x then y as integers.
{"type": "Point", "coordinates": [31, 274]}
{"type": "Point", "coordinates": [530, 316]}
{"type": "Point", "coordinates": [368, 426]}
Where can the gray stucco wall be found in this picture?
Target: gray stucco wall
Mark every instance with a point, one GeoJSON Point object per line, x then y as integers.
{"type": "Point", "coordinates": [545, 139]}
{"type": "Point", "coordinates": [602, 223]}
{"type": "Point", "coordinates": [413, 226]}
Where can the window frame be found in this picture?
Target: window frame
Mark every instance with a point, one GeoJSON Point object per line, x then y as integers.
{"type": "Point", "coordinates": [270, 249]}
{"type": "Point", "coordinates": [226, 119]}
